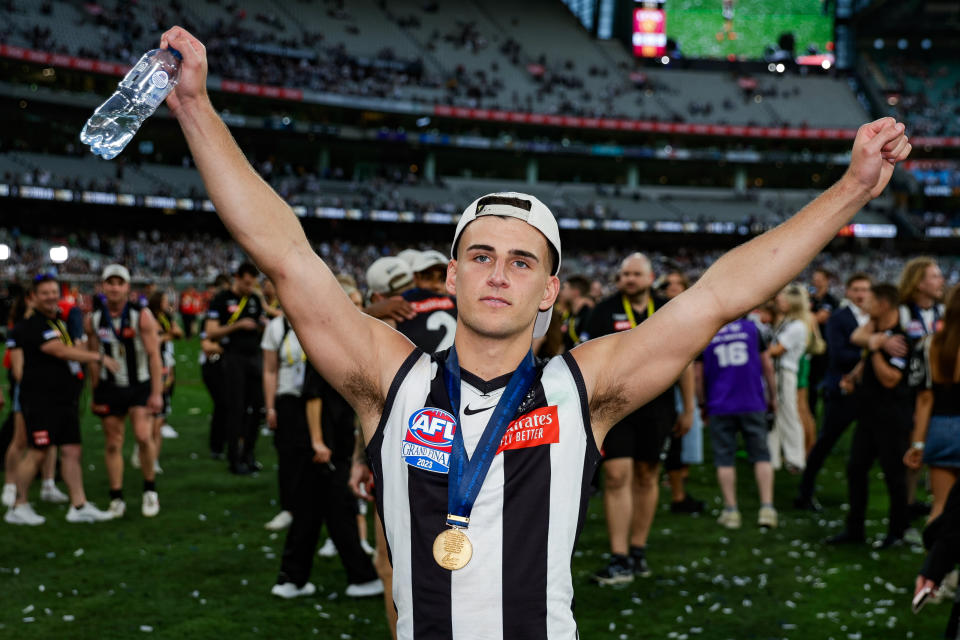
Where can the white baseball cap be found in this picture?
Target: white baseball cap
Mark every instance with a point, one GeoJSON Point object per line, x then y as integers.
{"type": "Point", "coordinates": [115, 270]}
{"type": "Point", "coordinates": [427, 259]}
{"type": "Point", "coordinates": [388, 275]}
{"type": "Point", "coordinates": [409, 256]}
{"type": "Point", "coordinates": [524, 207]}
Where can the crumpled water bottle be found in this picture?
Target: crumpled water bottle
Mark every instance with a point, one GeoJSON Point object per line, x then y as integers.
{"type": "Point", "coordinates": [141, 91]}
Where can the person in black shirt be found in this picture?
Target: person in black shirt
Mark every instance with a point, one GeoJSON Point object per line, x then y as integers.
{"type": "Point", "coordinates": [575, 306]}
{"type": "Point", "coordinates": [212, 374]}
{"type": "Point", "coordinates": [633, 447]}
{"type": "Point", "coordinates": [235, 319]}
{"type": "Point", "coordinates": [49, 393]}
{"type": "Point", "coordinates": [883, 425]}
{"type": "Point", "coordinates": [822, 304]}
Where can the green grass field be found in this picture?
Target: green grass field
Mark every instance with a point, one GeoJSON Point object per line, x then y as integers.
{"type": "Point", "coordinates": [203, 568]}
{"type": "Point", "coordinates": [696, 25]}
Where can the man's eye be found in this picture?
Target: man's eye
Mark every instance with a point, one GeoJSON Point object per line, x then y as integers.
{"type": "Point", "coordinates": [520, 264]}
{"type": "Point", "coordinates": [482, 258]}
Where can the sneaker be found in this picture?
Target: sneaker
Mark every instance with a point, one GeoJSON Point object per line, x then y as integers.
{"type": "Point", "coordinates": [166, 431]}
{"type": "Point", "coordinates": [365, 589]}
{"type": "Point", "coordinates": [9, 495]}
{"type": "Point", "coordinates": [730, 519]}
{"type": "Point", "coordinates": [289, 590]}
{"type": "Point", "coordinates": [151, 504]}
{"type": "Point", "coordinates": [50, 493]}
{"type": "Point", "coordinates": [24, 514]}
{"type": "Point", "coordinates": [88, 513]}
{"type": "Point", "coordinates": [947, 590]}
{"type": "Point", "coordinates": [767, 518]}
{"type": "Point", "coordinates": [913, 537]}
{"type": "Point", "coordinates": [618, 571]}
{"type": "Point", "coordinates": [328, 550]}
{"type": "Point", "coordinates": [280, 521]}
{"type": "Point", "coordinates": [135, 456]}
{"type": "Point", "coordinates": [640, 566]}
{"type": "Point", "coordinates": [117, 507]}
{"type": "Point", "coordinates": [367, 549]}
{"type": "Point", "coordinates": [689, 504]}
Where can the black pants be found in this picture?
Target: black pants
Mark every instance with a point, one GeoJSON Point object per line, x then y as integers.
{"type": "Point", "coordinates": [839, 412]}
{"type": "Point", "coordinates": [212, 374]}
{"type": "Point", "coordinates": [290, 438]}
{"type": "Point", "coordinates": [242, 404]}
{"type": "Point", "coordinates": [674, 460]}
{"type": "Point", "coordinates": [188, 321]}
{"type": "Point", "coordinates": [884, 438]}
{"type": "Point", "coordinates": [818, 368]}
{"type": "Point", "coordinates": [322, 496]}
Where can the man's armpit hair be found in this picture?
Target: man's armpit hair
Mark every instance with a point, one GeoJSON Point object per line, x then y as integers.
{"type": "Point", "coordinates": [609, 404]}
{"type": "Point", "coordinates": [363, 392]}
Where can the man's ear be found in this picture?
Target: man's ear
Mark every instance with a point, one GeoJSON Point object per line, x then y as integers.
{"type": "Point", "coordinates": [550, 293]}
{"type": "Point", "coordinates": [452, 277]}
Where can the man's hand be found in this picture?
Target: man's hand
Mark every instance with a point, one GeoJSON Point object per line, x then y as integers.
{"type": "Point", "coordinates": [192, 86]}
{"type": "Point", "coordinates": [894, 346]}
{"type": "Point", "coordinates": [112, 365]}
{"type": "Point", "coordinates": [272, 419]}
{"type": "Point", "coordinates": [360, 478]}
{"type": "Point", "coordinates": [878, 147]}
{"type": "Point", "coordinates": [155, 403]}
{"type": "Point", "coordinates": [683, 424]}
{"type": "Point", "coordinates": [396, 309]}
{"type": "Point", "coordinates": [321, 453]}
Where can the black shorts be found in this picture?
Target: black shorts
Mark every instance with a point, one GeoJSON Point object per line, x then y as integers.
{"type": "Point", "coordinates": [642, 435]}
{"type": "Point", "coordinates": [51, 424]}
{"type": "Point", "coordinates": [111, 400]}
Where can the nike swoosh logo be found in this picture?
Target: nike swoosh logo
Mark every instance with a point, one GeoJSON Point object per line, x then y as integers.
{"type": "Point", "coordinates": [472, 412]}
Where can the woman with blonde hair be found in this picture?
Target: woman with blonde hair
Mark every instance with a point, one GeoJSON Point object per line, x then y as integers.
{"type": "Point", "coordinates": [791, 341]}
{"type": "Point", "coordinates": [936, 419]}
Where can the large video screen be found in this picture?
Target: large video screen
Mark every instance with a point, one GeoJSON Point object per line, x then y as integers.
{"type": "Point", "coordinates": [733, 29]}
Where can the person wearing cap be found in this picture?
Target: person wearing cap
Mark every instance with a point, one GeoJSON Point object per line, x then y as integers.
{"type": "Point", "coordinates": [129, 334]}
{"type": "Point", "coordinates": [235, 320]}
{"type": "Point", "coordinates": [430, 271]}
{"type": "Point", "coordinates": [483, 456]}
{"type": "Point", "coordinates": [435, 324]}
{"type": "Point", "coordinates": [49, 394]}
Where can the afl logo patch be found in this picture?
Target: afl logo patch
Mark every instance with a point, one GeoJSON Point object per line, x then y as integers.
{"type": "Point", "coordinates": [427, 442]}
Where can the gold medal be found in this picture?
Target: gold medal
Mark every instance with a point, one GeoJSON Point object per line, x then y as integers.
{"type": "Point", "coordinates": [452, 549]}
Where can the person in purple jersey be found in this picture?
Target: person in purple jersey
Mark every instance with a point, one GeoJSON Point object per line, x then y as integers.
{"type": "Point", "coordinates": [734, 367]}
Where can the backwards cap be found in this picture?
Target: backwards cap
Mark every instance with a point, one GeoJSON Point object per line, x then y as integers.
{"type": "Point", "coordinates": [524, 207]}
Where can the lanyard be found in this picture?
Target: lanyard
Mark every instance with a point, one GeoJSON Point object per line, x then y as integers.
{"type": "Point", "coordinates": [466, 475]}
{"type": "Point", "coordinates": [164, 323]}
{"type": "Point", "coordinates": [236, 314]}
{"type": "Point", "coordinates": [290, 359]}
{"type": "Point", "coordinates": [571, 328]}
{"type": "Point", "coordinates": [62, 330]}
{"type": "Point", "coordinates": [628, 308]}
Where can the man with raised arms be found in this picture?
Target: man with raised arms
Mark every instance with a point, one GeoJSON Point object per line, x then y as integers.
{"type": "Point", "coordinates": [481, 518]}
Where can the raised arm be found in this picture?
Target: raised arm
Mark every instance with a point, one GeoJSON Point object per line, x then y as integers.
{"type": "Point", "coordinates": [737, 282]}
{"type": "Point", "coordinates": [357, 354]}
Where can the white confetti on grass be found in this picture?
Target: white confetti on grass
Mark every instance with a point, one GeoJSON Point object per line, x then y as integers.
{"type": "Point", "coordinates": [68, 618]}
{"type": "Point", "coordinates": [146, 628]}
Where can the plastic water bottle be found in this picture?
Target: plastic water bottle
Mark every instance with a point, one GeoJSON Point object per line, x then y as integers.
{"type": "Point", "coordinates": [141, 91]}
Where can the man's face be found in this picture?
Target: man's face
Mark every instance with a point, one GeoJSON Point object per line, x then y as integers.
{"type": "Point", "coordinates": [246, 284]}
{"type": "Point", "coordinates": [117, 290]}
{"type": "Point", "coordinates": [596, 289]}
{"type": "Point", "coordinates": [932, 283]}
{"type": "Point", "coordinates": [819, 281]}
{"type": "Point", "coordinates": [501, 276]}
{"type": "Point", "coordinates": [433, 279]}
{"type": "Point", "coordinates": [635, 276]}
{"type": "Point", "coordinates": [46, 297]}
{"type": "Point", "coordinates": [878, 307]}
{"type": "Point", "coordinates": [859, 292]}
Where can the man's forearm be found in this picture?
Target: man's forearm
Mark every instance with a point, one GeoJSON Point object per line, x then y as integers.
{"type": "Point", "coordinates": [156, 373]}
{"type": "Point", "coordinates": [254, 214]}
{"type": "Point", "coordinates": [688, 389]}
{"type": "Point", "coordinates": [269, 390]}
{"type": "Point", "coordinates": [782, 252]}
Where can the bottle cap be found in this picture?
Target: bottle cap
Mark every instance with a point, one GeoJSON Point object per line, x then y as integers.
{"type": "Point", "coordinates": [176, 54]}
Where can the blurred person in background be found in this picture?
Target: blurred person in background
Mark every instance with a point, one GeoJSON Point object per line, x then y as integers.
{"type": "Point", "coordinates": [575, 305]}
{"type": "Point", "coordinates": [840, 407]}
{"type": "Point", "coordinates": [822, 303]}
{"type": "Point", "coordinates": [686, 449]}
{"type": "Point", "coordinates": [790, 341]}
{"type": "Point", "coordinates": [211, 371]}
{"type": "Point", "coordinates": [128, 334]}
{"type": "Point", "coordinates": [191, 305]}
{"type": "Point", "coordinates": [816, 347]}
{"type": "Point", "coordinates": [936, 430]}
{"type": "Point", "coordinates": [169, 332]}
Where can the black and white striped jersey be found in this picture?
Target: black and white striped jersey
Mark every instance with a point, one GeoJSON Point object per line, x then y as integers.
{"type": "Point", "coordinates": [526, 519]}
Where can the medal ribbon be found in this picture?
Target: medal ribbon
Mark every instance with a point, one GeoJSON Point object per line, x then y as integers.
{"type": "Point", "coordinates": [239, 310]}
{"type": "Point", "coordinates": [628, 308]}
{"type": "Point", "coordinates": [60, 328]}
{"type": "Point", "coordinates": [466, 475]}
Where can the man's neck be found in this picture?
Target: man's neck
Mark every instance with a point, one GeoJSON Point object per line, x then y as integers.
{"type": "Point", "coordinates": [638, 300]}
{"type": "Point", "coordinates": [487, 357]}
{"type": "Point", "coordinates": [888, 320]}
{"type": "Point", "coordinates": [923, 301]}
{"type": "Point", "coordinates": [236, 291]}
{"type": "Point", "coordinates": [114, 307]}
{"type": "Point", "coordinates": [49, 314]}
